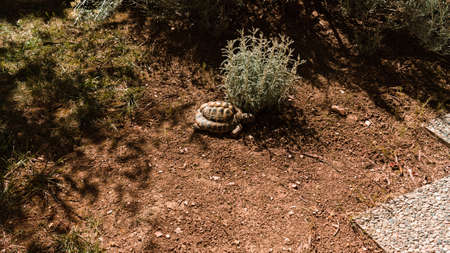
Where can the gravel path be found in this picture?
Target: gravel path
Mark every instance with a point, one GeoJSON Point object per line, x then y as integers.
{"type": "Point", "coordinates": [415, 222]}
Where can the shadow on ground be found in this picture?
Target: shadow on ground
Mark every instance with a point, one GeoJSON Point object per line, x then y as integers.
{"type": "Point", "coordinates": [324, 38]}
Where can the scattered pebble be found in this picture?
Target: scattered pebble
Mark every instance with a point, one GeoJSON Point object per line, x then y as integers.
{"type": "Point", "coordinates": [160, 171]}
{"type": "Point", "coordinates": [158, 234]}
{"type": "Point", "coordinates": [178, 230]}
{"type": "Point", "coordinates": [168, 236]}
{"type": "Point", "coordinates": [294, 186]}
{"type": "Point", "coordinates": [367, 123]}
{"type": "Point", "coordinates": [339, 110]}
{"type": "Point", "coordinates": [236, 242]}
{"type": "Point", "coordinates": [289, 156]}
{"type": "Point", "coordinates": [215, 178]}
{"type": "Point", "coordinates": [287, 241]}
{"type": "Point", "coordinates": [231, 183]}
{"type": "Point", "coordinates": [290, 213]}
{"type": "Point", "coordinates": [109, 212]}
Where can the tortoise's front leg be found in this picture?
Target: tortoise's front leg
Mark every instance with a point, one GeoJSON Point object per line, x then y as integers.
{"type": "Point", "coordinates": [237, 130]}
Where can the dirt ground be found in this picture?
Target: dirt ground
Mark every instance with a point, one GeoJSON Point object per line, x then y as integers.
{"type": "Point", "coordinates": [350, 138]}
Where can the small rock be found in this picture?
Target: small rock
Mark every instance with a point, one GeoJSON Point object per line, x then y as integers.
{"type": "Point", "coordinates": [109, 212]}
{"type": "Point", "coordinates": [289, 156]}
{"type": "Point", "coordinates": [367, 123]}
{"type": "Point", "coordinates": [158, 234]}
{"type": "Point", "coordinates": [236, 242]}
{"type": "Point", "coordinates": [168, 236]}
{"type": "Point", "coordinates": [341, 91]}
{"type": "Point", "coordinates": [231, 183]}
{"type": "Point", "coordinates": [339, 110]}
{"type": "Point", "coordinates": [215, 178]}
{"type": "Point", "coordinates": [287, 241]}
{"type": "Point", "coordinates": [294, 186]}
{"type": "Point", "coordinates": [178, 230]}
{"type": "Point", "coordinates": [160, 171]}
{"type": "Point", "coordinates": [290, 213]}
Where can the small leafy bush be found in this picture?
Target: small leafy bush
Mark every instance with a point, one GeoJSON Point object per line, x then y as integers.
{"type": "Point", "coordinates": [426, 20]}
{"type": "Point", "coordinates": [258, 73]}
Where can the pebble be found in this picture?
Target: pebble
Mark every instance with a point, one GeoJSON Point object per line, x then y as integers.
{"type": "Point", "coordinates": [168, 236]}
{"type": "Point", "coordinates": [294, 186]}
{"type": "Point", "coordinates": [215, 178]}
{"type": "Point", "coordinates": [158, 234]}
{"type": "Point", "coordinates": [291, 213]}
{"type": "Point", "coordinates": [339, 110]}
{"type": "Point", "coordinates": [109, 212]}
{"type": "Point", "coordinates": [287, 241]}
{"type": "Point", "coordinates": [367, 123]}
{"type": "Point", "coordinates": [178, 230]}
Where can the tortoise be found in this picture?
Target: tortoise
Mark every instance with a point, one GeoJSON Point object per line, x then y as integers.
{"type": "Point", "coordinates": [221, 117]}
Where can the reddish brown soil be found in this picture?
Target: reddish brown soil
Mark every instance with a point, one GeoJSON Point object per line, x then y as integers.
{"type": "Point", "coordinates": [292, 181]}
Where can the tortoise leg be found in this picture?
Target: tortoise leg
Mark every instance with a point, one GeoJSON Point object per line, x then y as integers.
{"type": "Point", "coordinates": [237, 130]}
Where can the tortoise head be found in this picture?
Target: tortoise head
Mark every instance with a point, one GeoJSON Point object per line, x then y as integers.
{"type": "Point", "coordinates": [246, 117]}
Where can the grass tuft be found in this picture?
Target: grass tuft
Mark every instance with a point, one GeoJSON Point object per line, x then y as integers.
{"type": "Point", "coordinates": [74, 242]}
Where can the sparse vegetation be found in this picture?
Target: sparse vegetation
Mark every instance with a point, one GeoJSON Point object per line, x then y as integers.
{"type": "Point", "coordinates": [427, 20]}
{"type": "Point", "coordinates": [74, 242]}
{"type": "Point", "coordinates": [258, 73]}
{"type": "Point", "coordinates": [210, 16]}
{"type": "Point", "coordinates": [97, 10]}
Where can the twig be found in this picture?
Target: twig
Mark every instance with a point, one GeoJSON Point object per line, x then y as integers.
{"type": "Point", "coordinates": [338, 227]}
{"type": "Point", "coordinates": [321, 159]}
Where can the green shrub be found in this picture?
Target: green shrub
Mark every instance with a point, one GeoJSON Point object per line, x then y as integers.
{"type": "Point", "coordinates": [426, 20]}
{"type": "Point", "coordinates": [258, 73]}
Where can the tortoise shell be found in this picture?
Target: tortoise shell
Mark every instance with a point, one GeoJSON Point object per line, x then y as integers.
{"type": "Point", "coordinates": [220, 117]}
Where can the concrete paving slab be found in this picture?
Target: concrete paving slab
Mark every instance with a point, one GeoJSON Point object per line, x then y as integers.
{"type": "Point", "coordinates": [441, 128]}
{"type": "Point", "coordinates": [415, 222]}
